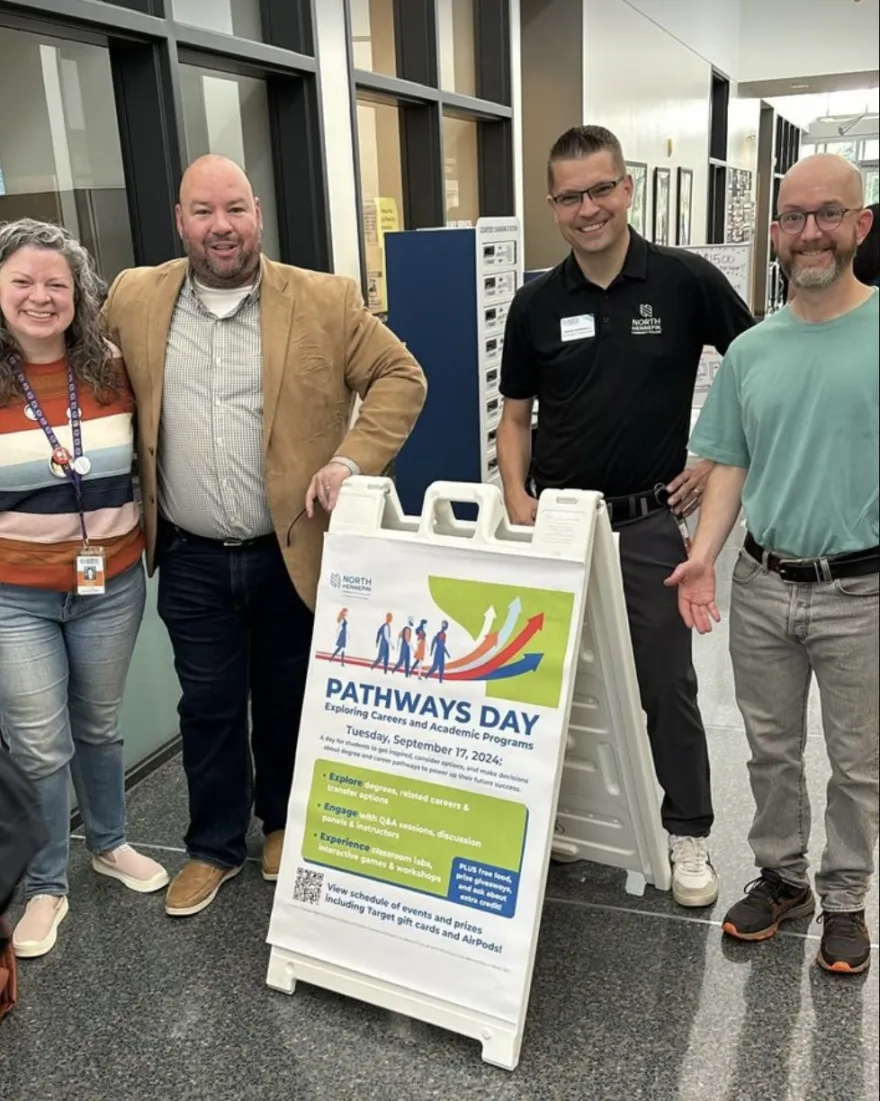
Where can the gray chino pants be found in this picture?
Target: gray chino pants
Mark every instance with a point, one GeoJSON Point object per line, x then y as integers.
{"type": "Point", "coordinates": [781, 635]}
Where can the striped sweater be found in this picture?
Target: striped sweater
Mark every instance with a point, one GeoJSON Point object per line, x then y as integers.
{"type": "Point", "coordinates": [40, 533]}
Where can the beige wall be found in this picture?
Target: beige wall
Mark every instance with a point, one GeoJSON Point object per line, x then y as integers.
{"type": "Point", "coordinates": [651, 91]}
{"type": "Point", "coordinates": [552, 100]}
{"type": "Point", "coordinates": [801, 39]}
{"type": "Point", "coordinates": [372, 32]}
{"type": "Point", "coordinates": [379, 151]}
{"type": "Point", "coordinates": [605, 62]}
{"type": "Point", "coordinates": [455, 31]}
{"type": "Point", "coordinates": [462, 177]}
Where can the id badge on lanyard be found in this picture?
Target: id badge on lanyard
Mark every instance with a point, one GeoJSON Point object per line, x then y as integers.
{"type": "Point", "coordinates": [90, 563]}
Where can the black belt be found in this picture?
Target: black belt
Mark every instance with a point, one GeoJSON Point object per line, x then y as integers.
{"type": "Point", "coordinates": [637, 505]}
{"type": "Point", "coordinates": [227, 544]}
{"type": "Point", "coordinates": [816, 570]}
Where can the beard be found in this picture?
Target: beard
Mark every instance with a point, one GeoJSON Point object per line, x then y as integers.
{"type": "Point", "coordinates": [817, 278]}
{"type": "Point", "coordinates": [215, 273]}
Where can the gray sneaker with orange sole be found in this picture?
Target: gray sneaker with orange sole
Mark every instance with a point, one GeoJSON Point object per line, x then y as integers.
{"type": "Point", "coordinates": [769, 902]}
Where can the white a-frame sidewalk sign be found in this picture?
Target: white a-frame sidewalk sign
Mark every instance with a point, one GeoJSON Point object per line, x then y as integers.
{"type": "Point", "coordinates": [463, 674]}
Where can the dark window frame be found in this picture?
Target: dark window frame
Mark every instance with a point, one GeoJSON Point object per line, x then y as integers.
{"type": "Point", "coordinates": [147, 47]}
{"type": "Point", "coordinates": [423, 103]}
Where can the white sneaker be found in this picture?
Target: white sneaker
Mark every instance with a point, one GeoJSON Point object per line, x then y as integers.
{"type": "Point", "coordinates": [694, 882]}
{"type": "Point", "coordinates": [36, 932]}
{"type": "Point", "coordinates": [137, 872]}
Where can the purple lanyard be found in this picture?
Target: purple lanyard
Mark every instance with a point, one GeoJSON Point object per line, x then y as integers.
{"type": "Point", "coordinates": [75, 426]}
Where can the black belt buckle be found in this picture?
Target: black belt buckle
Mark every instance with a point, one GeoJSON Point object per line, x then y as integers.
{"type": "Point", "coordinates": [820, 567]}
{"type": "Point", "coordinates": [786, 570]}
{"type": "Point", "coordinates": [235, 542]}
{"type": "Point", "coordinates": [661, 494]}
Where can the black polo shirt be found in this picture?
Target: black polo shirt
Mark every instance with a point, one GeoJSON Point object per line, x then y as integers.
{"type": "Point", "coordinates": [614, 370]}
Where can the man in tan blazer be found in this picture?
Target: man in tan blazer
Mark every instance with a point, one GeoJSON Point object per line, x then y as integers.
{"type": "Point", "coordinates": [245, 373]}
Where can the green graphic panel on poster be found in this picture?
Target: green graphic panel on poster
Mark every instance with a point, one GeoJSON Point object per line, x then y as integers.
{"type": "Point", "coordinates": [407, 832]}
{"type": "Point", "coordinates": [527, 628]}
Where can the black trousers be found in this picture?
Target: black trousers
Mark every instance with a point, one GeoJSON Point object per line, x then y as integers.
{"type": "Point", "coordinates": [650, 549]}
{"type": "Point", "coordinates": [241, 636]}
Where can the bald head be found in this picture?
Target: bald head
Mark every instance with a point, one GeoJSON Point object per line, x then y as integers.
{"type": "Point", "coordinates": [209, 171]}
{"type": "Point", "coordinates": [820, 221]}
{"type": "Point", "coordinates": [220, 222]}
{"type": "Point", "coordinates": [826, 177]}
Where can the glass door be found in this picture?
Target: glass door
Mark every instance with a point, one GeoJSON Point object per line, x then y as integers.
{"type": "Point", "coordinates": [871, 176]}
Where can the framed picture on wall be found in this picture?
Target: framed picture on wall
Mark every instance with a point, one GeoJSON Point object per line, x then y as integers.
{"type": "Point", "coordinates": [684, 204]}
{"type": "Point", "coordinates": [662, 185]}
{"type": "Point", "coordinates": [638, 213]}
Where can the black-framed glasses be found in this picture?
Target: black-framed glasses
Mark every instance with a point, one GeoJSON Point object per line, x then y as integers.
{"type": "Point", "coordinates": [293, 523]}
{"type": "Point", "coordinates": [596, 193]}
{"type": "Point", "coordinates": [828, 217]}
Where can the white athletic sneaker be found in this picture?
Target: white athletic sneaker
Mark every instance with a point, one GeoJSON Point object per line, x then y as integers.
{"type": "Point", "coordinates": [694, 882]}
{"type": "Point", "coordinates": [137, 872]}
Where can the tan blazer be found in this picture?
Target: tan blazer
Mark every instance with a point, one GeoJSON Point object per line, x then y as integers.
{"type": "Point", "coordinates": [321, 346]}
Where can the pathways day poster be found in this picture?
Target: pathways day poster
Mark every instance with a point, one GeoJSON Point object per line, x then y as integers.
{"type": "Point", "coordinates": [423, 794]}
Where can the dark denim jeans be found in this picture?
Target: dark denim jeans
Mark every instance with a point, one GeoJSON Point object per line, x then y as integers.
{"type": "Point", "coordinates": [240, 634]}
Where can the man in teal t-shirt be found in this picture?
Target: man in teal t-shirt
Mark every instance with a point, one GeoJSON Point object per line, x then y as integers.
{"type": "Point", "coordinates": [793, 423]}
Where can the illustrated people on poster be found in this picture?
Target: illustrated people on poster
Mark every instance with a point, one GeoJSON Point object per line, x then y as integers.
{"type": "Point", "coordinates": [421, 644]}
{"type": "Point", "coordinates": [341, 636]}
{"type": "Point", "coordinates": [404, 649]}
{"type": "Point", "coordinates": [383, 642]}
{"type": "Point", "coordinates": [439, 653]}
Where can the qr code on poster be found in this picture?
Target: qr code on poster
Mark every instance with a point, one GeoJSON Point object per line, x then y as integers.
{"type": "Point", "coordinates": [308, 886]}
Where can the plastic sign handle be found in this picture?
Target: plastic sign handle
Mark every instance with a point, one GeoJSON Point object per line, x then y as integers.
{"type": "Point", "coordinates": [487, 498]}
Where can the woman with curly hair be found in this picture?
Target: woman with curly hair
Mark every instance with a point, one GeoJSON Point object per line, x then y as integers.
{"type": "Point", "coordinates": [72, 585]}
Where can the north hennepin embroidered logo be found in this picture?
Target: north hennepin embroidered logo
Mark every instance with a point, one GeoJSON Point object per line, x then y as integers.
{"type": "Point", "coordinates": [646, 324]}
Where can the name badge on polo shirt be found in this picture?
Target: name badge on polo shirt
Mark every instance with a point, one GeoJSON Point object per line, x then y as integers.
{"type": "Point", "coordinates": [577, 328]}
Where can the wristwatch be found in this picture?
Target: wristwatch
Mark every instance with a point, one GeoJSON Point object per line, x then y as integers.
{"type": "Point", "coordinates": [352, 466]}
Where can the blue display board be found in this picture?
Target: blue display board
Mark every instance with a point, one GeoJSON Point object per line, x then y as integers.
{"type": "Point", "coordinates": [448, 294]}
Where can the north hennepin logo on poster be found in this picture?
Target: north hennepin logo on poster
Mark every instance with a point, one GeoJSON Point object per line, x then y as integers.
{"type": "Point", "coordinates": [353, 586]}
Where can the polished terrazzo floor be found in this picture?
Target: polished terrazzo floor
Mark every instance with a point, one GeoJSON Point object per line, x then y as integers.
{"type": "Point", "coordinates": [633, 999]}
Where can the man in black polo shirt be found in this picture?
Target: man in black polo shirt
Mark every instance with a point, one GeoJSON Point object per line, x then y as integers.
{"type": "Point", "coordinates": [609, 342]}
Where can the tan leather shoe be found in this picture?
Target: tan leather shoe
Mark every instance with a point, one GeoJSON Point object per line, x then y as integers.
{"type": "Point", "coordinates": [195, 887]}
{"type": "Point", "coordinates": [270, 863]}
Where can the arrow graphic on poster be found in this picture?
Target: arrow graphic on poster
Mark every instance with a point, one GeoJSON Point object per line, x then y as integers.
{"type": "Point", "coordinates": [532, 627]}
{"type": "Point", "coordinates": [527, 664]}
{"type": "Point", "coordinates": [486, 641]}
{"type": "Point", "coordinates": [499, 639]}
{"type": "Point", "coordinates": [513, 613]}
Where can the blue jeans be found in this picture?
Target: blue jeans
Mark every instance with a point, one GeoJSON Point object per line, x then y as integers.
{"type": "Point", "coordinates": [63, 664]}
{"type": "Point", "coordinates": [241, 636]}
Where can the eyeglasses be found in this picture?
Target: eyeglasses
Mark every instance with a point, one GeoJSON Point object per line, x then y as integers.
{"type": "Point", "coordinates": [827, 218]}
{"type": "Point", "coordinates": [596, 193]}
{"type": "Point", "coordinates": [293, 524]}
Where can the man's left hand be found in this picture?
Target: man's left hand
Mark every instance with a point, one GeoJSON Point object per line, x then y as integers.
{"type": "Point", "coordinates": [325, 486]}
{"type": "Point", "coordinates": [686, 491]}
